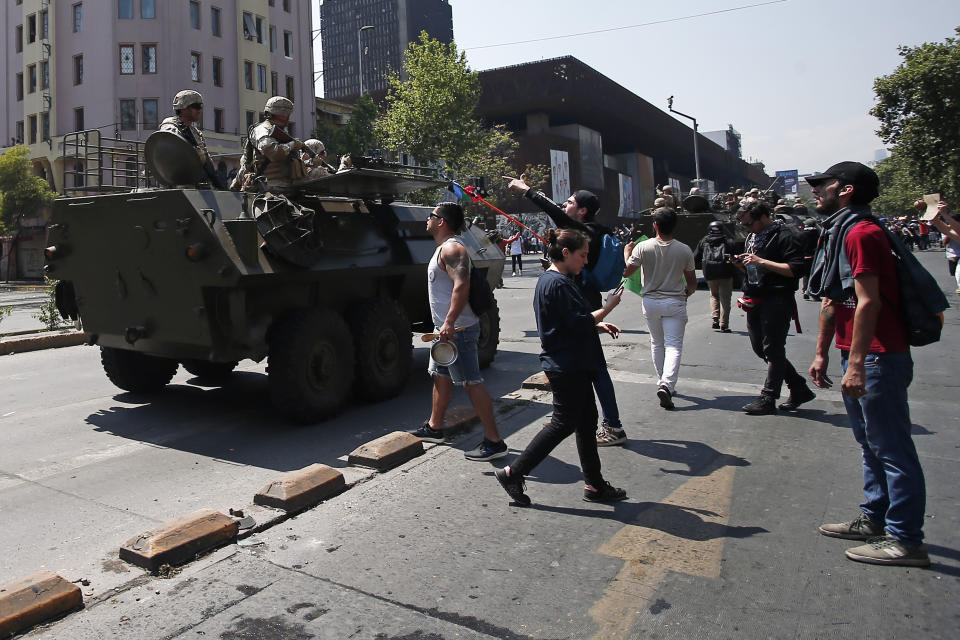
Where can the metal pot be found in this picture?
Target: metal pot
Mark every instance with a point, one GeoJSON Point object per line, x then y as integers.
{"type": "Point", "coordinates": [444, 353]}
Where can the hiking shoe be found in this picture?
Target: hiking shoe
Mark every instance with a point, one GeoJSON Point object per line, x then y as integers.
{"type": "Point", "coordinates": [608, 436]}
{"type": "Point", "coordinates": [716, 323]}
{"type": "Point", "coordinates": [725, 329]}
{"type": "Point", "coordinates": [514, 486]}
{"type": "Point", "coordinates": [664, 395]}
{"type": "Point", "coordinates": [861, 528]}
{"type": "Point", "coordinates": [606, 493]}
{"type": "Point", "coordinates": [762, 406]}
{"type": "Point", "coordinates": [797, 398]}
{"type": "Point", "coordinates": [887, 550]}
{"type": "Point", "coordinates": [487, 450]}
{"type": "Point", "coordinates": [425, 433]}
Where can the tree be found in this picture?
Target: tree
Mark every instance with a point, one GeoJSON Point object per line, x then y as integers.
{"type": "Point", "coordinates": [357, 137]}
{"type": "Point", "coordinates": [431, 115]}
{"type": "Point", "coordinates": [898, 188]}
{"type": "Point", "coordinates": [21, 194]}
{"type": "Point", "coordinates": [918, 106]}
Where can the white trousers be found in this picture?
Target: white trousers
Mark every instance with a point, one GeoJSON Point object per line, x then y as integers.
{"type": "Point", "coordinates": [666, 321]}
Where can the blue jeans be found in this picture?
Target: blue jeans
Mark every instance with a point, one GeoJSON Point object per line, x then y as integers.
{"type": "Point", "coordinates": [603, 385]}
{"type": "Point", "coordinates": [466, 368]}
{"type": "Point", "coordinates": [893, 486]}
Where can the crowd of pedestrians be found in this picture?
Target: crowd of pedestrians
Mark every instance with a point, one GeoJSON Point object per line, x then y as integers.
{"type": "Point", "coordinates": [853, 275]}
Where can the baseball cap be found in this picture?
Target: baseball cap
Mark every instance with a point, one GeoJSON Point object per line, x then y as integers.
{"type": "Point", "coordinates": [859, 175]}
{"type": "Point", "coordinates": [587, 199]}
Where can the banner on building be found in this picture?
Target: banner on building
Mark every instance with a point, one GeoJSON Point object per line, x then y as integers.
{"type": "Point", "coordinates": [626, 196]}
{"type": "Point", "coordinates": [560, 175]}
{"type": "Point", "coordinates": [787, 183]}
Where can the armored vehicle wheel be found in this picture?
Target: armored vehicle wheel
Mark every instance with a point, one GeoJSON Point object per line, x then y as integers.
{"type": "Point", "coordinates": [384, 348]}
{"type": "Point", "coordinates": [136, 372]}
{"type": "Point", "coordinates": [310, 365]}
{"type": "Point", "coordinates": [209, 371]}
{"type": "Point", "coordinates": [489, 336]}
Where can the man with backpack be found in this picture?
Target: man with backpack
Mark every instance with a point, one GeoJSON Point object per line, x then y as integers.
{"type": "Point", "coordinates": [856, 273]}
{"type": "Point", "coordinates": [579, 212]}
{"type": "Point", "coordinates": [713, 256]}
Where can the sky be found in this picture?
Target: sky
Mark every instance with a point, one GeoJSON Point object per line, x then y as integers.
{"type": "Point", "coordinates": [794, 77]}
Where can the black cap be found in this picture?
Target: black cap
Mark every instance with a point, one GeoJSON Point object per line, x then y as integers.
{"type": "Point", "coordinates": [587, 199]}
{"type": "Point", "coordinates": [863, 178]}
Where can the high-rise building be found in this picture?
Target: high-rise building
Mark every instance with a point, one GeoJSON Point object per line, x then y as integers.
{"type": "Point", "coordinates": [349, 47]}
{"type": "Point", "coordinates": [115, 65]}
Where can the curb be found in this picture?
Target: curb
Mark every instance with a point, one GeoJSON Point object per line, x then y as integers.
{"type": "Point", "coordinates": [40, 598]}
{"type": "Point", "coordinates": [302, 488]}
{"type": "Point", "coordinates": [177, 541]}
{"type": "Point", "coordinates": [35, 343]}
{"type": "Point", "coordinates": [387, 452]}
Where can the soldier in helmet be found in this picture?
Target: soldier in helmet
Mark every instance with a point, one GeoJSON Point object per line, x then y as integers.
{"type": "Point", "coordinates": [271, 152]}
{"type": "Point", "coordinates": [188, 106]}
{"type": "Point", "coordinates": [316, 166]}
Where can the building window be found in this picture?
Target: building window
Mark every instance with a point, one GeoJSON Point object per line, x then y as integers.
{"type": "Point", "coordinates": [259, 29]}
{"type": "Point", "coordinates": [287, 44]}
{"type": "Point", "coordinates": [77, 17]}
{"type": "Point", "coordinates": [218, 120]}
{"type": "Point", "coordinates": [217, 72]}
{"type": "Point", "coordinates": [19, 131]}
{"type": "Point", "coordinates": [151, 113]}
{"type": "Point", "coordinates": [126, 59]}
{"type": "Point", "coordinates": [19, 87]}
{"type": "Point", "coordinates": [195, 66]}
{"type": "Point", "coordinates": [195, 14]}
{"type": "Point", "coordinates": [44, 74]}
{"type": "Point", "coordinates": [33, 130]}
{"type": "Point", "coordinates": [128, 115]}
{"type": "Point", "coordinates": [261, 78]}
{"type": "Point", "coordinates": [290, 87]}
{"type": "Point", "coordinates": [18, 45]}
{"type": "Point", "coordinates": [249, 119]}
{"type": "Point", "coordinates": [78, 69]}
{"type": "Point", "coordinates": [148, 9]}
{"type": "Point", "coordinates": [248, 75]}
{"type": "Point", "coordinates": [249, 26]}
{"type": "Point", "coordinates": [215, 21]}
{"type": "Point", "coordinates": [125, 9]}
{"type": "Point", "coordinates": [274, 83]}
{"type": "Point", "coordinates": [45, 126]}
{"type": "Point", "coordinates": [44, 26]}
{"type": "Point", "coordinates": [31, 29]}
{"type": "Point", "coordinates": [149, 53]}
{"type": "Point", "coordinates": [273, 38]}
{"type": "Point", "coordinates": [31, 78]}
{"type": "Point", "coordinates": [286, 5]}
{"type": "Point", "coordinates": [270, 2]}
{"type": "Point", "coordinates": [78, 119]}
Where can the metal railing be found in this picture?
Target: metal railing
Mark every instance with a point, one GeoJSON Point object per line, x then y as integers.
{"type": "Point", "coordinates": [93, 164]}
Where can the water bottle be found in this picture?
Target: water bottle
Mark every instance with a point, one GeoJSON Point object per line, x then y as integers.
{"type": "Point", "coordinates": [753, 274]}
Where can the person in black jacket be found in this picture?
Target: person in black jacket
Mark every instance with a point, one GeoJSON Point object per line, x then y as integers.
{"type": "Point", "coordinates": [579, 212]}
{"type": "Point", "coordinates": [713, 256]}
{"type": "Point", "coordinates": [774, 262]}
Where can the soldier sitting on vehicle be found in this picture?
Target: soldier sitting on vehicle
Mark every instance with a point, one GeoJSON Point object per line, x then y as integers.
{"type": "Point", "coordinates": [270, 151]}
{"type": "Point", "coordinates": [316, 166]}
{"type": "Point", "coordinates": [188, 107]}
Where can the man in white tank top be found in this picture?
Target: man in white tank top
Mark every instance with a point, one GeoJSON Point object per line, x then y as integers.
{"type": "Point", "coordinates": [448, 283]}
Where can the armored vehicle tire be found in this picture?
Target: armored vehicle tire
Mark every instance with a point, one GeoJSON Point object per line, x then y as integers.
{"type": "Point", "coordinates": [209, 371]}
{"type": "Point", "coordinates": [310, 364]}
{"type": "Point", "coordinates": [384, 348]}
{"type": "Point", "coordinates": [136, 372]}
{"type": "Point", "coordinates": [489, 336]}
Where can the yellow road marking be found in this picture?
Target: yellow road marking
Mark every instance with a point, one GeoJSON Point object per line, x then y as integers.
{"type": "Point", "coordinates": [684, 533]}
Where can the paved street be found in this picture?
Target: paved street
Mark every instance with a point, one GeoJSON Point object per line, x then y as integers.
{"type": "Point", "coordinates": [24, 303]}
{"type": "Point", "coordinates": [717, 539]}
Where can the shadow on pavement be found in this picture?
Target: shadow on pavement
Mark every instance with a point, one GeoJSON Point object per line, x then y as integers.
{"type": "Point", "coordinates": [701, 459]}
{"type": "Point", "coordinates": [936, 552]}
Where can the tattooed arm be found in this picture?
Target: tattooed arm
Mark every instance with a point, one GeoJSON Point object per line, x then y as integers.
{"type": "Point", "coordinates": [456, 263]}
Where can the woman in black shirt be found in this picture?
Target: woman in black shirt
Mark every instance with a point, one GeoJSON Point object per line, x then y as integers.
{"type": "Point", "coordinates": [571, 358]}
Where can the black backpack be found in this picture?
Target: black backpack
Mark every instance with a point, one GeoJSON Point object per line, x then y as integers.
{"type": "Point", "coordinates": [715, 261]}
{"type": "Point", "coordinates": [481, 295]}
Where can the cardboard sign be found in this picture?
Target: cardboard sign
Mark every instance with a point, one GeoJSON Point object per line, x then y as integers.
{"type": "Point", "coordinates": [933, 201]}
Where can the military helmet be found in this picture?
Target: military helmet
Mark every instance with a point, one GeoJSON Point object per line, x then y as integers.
{"type": "Point", "coordinates": [186, 98]}
{"type": "Point", "coordinates": [278, 106]}
{"type": "Point", "coordinates": [314, 145]}
{"type": "Point", "coordinates": [715, 228]}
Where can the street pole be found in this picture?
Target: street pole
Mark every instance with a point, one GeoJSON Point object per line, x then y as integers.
{"type": "Point", "coordinates": [696, 148]}
{"type": "Point", "coordinates": [360, 54]}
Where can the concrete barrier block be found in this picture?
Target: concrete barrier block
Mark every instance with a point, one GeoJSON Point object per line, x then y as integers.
{"type": "Point", "coordinates": [537, 381]}
{"type": "Point", "coordinates": [302, 488]}
{"type": "Point", "coordinates": [460, 419]}
{"type": "Point", "coordinates": [387, 452]}
{"type": "Point", "coordinates": [179, 540]}
{"type": "Point", "coordinates": [40, 598]}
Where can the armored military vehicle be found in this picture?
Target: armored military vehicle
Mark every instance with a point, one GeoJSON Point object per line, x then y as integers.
{"type": "Point", "coordinates": [326, 280]}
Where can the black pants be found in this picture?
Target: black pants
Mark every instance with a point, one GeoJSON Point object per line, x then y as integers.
{"type": "Point", "coordinates": [574, 411]}
{"type": "Point", "coordinates": [516, 264]}
{"type": "Point", "coordinates": [768, 324]}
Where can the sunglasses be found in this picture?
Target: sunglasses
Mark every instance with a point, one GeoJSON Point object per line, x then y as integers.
{"type": "Point", "coordinates": [434, 215]}
{"type": "Point", "coordinates": [195, 105]}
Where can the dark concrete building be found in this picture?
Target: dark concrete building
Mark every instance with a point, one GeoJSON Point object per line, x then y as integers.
{"type": "Point", "coordinates": [597, 135]}
{"type": "Point", "coordinates": [379, 50]}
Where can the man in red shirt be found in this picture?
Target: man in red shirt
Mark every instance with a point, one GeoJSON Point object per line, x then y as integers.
{"type": "Point", "coordinates": [855, 274]}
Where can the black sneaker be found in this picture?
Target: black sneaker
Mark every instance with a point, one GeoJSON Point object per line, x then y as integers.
{"type": "Point", "coordinates": [762, 406]}
{"type": "Point", "coordinates": [606, 493]}
{"type": "Point", "coordinates": [425, 433]}
{"type": "Point", "coordinates": [487, 450]}
{"type": "Point", "coordinates": [514, 486]}
{"type": "Point", "coordinates": [664, 395]}
{"type": "Point", "coordinates": [716, 323]}
{"type": "Point", "coordinates": [725, 330]}
{"type": "Point", "coordinates": [797, 398]}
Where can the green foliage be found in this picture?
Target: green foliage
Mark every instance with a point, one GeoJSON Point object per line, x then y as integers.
{"type": "Point", "coordinates": [21, 193]}
{"type": "Point", "coordinates": [357, 137]}
{"type": "Point", "coordinates": [48, 314]}
{"type": "Point", "coordinates": [918, 106]}
{"type": "Point", "coordinates": [899, 189]}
